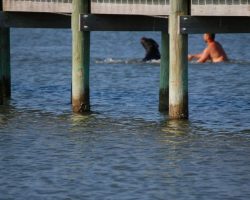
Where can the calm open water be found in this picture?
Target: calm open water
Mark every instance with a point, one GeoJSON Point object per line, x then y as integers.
{"type": "Point", "coordinates": [125, 149]}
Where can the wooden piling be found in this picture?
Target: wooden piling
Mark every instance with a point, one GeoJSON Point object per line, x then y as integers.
{"type": "Point", "coordinates": [164, 73]}
{"type": "Point", "coordinates": [5, 77]}
{"type": "Point", "coordinates": [80, 58]}
{"type": "Point", "coordinates": [1, 82]}
{"type": "Point", "coordinates": [1, 69]}
{"type": "Point", "coordinates": [178, 73]}
{"type": "Point", "coordinates": [5, 82]}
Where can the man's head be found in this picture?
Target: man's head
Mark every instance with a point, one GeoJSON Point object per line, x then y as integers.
{"type": "Point", "coordinates": [208, 37]}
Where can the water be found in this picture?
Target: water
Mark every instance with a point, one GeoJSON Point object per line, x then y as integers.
{"type": "Point", "coordinates": [125, 149]}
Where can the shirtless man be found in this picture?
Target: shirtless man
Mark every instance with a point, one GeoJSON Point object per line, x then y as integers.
{"type": "Point", "coordinates": [214, 51]}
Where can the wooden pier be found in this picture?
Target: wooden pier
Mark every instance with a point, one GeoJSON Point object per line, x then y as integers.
{"type": "Point", "coordinates": [174, 18]}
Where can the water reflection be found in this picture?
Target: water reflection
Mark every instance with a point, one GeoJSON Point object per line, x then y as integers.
{"type": "Point", "coordinates": [7, 112]}
{"type": "Point", "coordinates": [176, 127]}
{"type": "Point", "coordinates": [79, 120]}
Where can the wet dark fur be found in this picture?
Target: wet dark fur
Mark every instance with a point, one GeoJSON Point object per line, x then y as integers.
{"type": "Point", "coordinates": [152, 49]}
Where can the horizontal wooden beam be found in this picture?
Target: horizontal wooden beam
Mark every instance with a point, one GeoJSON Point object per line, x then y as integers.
{"type": "Point", "coordinates": [34, 20]}
{"type": "Point", "coordinates": [101, 22]}
{"type": "Point", "coordinates": [212, 24]}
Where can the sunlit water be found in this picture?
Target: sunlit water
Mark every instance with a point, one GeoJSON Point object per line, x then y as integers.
{"type": "Point", "coordinates": [125, 149]}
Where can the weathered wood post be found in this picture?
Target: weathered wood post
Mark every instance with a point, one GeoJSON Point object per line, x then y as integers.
{"type": "Point", "coordinates": [164, 73]}
{"type": "Point", "coordinates": [178, 73]}
{"type": "Point", "coordinates": [80, 58]}
{"type": "Point", "coordinates": [5, 87]}
{"type": "Point", "coordinates": [5, 63]}
{"type": "Point", "coordinates": [1, 83]}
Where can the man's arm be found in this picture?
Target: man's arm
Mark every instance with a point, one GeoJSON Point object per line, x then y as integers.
{"type": "Point", "coordinates": [204, 56]}
{"type": "Point", "coordinates": [192, 56]}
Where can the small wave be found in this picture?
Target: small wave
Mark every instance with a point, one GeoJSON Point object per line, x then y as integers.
{"type": "Point", "coordinates": [157, 62]}
{"type": "Point", "coordinates": [123, 61]}
{"type": "Point", "coordinates": [231, 61]}
{"type": "Point", "coordinates": [240, 62]}
{"type": "Point", "coordinates": [109, 61]}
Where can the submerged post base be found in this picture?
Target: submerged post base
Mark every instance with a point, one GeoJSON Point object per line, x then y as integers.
{"type": "Point", "coordinates": [178, 111]}
{"type": "Point", "coordinates": [80, 107]}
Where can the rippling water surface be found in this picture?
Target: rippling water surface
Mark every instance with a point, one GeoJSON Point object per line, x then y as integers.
{"type": "Point", "coordinates": [125, 149]}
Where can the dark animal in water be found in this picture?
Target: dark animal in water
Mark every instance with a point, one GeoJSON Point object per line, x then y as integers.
{"type": "Point", "coordinates": [152, 49]}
